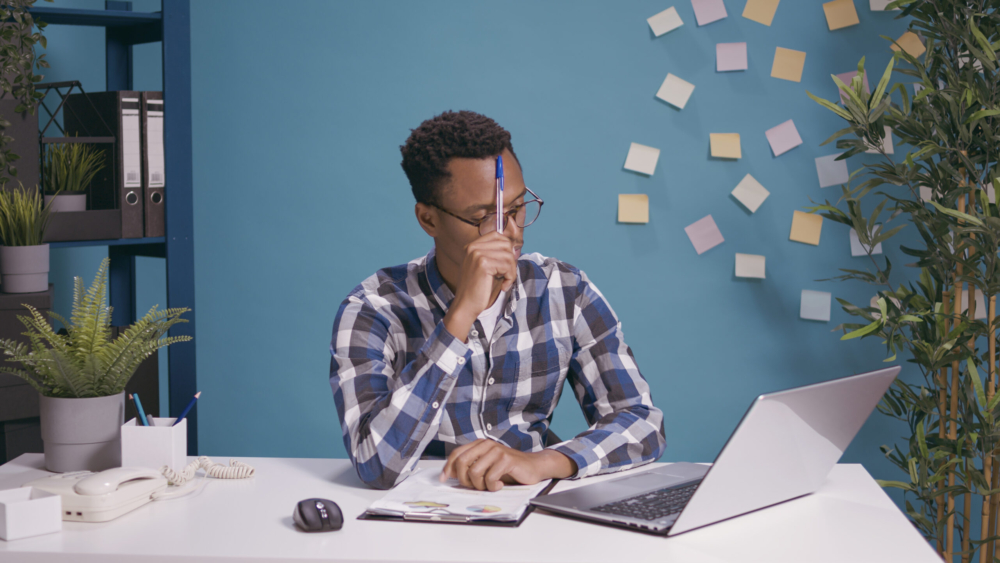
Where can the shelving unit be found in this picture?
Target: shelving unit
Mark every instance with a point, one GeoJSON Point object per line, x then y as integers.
{"type": "Point", "coordinates": [124, 29]}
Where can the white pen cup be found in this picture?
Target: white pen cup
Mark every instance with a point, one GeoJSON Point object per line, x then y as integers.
{"type": "Point", "coordinates": [155, 445]}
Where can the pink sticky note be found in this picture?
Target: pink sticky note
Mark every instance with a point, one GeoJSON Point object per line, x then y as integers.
{"type": "Point", "coordinates": [730, 56]}
{"type": "Point", "coordinates": [708, 11]}
{"type": "Point", "coordinates": [783, 138]}
{"type": "Point", "coordinates": [846, 79]}
{"type": "Point", "coordinates": [704, 234]}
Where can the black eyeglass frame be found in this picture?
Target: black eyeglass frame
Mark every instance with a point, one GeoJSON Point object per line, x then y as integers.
{"type": "Point", "coordinates": [506, 216]}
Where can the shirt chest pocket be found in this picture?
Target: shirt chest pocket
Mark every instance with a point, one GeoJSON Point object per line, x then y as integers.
{"type": "Point", "coordinates": [540, 373]}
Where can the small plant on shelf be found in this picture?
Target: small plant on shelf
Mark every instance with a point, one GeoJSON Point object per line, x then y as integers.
{"type": "Point", "coordinates": [69, 167]}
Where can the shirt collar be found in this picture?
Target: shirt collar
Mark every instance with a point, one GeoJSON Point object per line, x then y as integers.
{"type": "Point", "coordinates": [444, 296]}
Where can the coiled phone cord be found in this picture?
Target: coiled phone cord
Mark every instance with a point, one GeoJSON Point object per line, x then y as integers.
{"type": "Point", "coordinates": [235, 470]}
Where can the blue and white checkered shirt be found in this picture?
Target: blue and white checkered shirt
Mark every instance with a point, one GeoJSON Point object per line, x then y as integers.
{"type": "Point", "coordinates": [400, 379]}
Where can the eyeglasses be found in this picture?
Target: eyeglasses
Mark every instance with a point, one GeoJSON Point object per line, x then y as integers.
{"type": "Point", "coordinates": [524, 215]}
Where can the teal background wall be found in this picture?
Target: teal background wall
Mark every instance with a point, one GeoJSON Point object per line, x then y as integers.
{"type": "Point", "coordinates": [299, 110]}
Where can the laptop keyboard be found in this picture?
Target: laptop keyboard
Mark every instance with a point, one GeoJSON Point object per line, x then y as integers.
{"type": "Point", "coordinates": [652, 505]}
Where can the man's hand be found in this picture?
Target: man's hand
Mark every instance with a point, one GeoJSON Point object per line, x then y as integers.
{"type": "Point", "coordinates": [486, 259]}
{"type": "Point", "coordinates": [486, 465]}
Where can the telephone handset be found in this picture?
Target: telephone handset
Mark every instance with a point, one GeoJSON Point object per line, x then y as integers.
{"type": "Point", "coordinates": [99, 497]}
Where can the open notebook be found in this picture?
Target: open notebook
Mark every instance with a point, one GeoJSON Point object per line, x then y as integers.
{"type": "Point", "coordinates": [422, 498]}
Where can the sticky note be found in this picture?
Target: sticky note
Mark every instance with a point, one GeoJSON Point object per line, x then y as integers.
{"type": "Point", "coordinates": [667, 20]}
{"type": "Point", "coordinates": [788, 64]}
{"type": "Point", "coordinates": [886, 143]}
{"type": "Point", "coordinates": [708, 11]}
{"type": "Point", "coordinates": [750, 193]}
{"type": "Point", "coordinates": [760, 11]}
{"type": "Point", "coordinates": [815, 305]}
{"type": "Point", "coordinates": [783, 137]}
{"type": "Point", "coordinates": [749, 266]}
{"type": "Point", "coordinates": [840, 14]}
{"type": "Point", "coordinates": [991, 193]}
{"type": "Point", "coordinates": [675, 91]}
{"type": "Point", "coordinates": [858, 249]}
{"type": "Point", "coordinates": [879, 5]}
{"type": "Point", "coordinates": [831, 172]}
{"type": "Point", "coordinates": [642, 159]}
{"type": "Point", "coordinates": [806, 227]}
{"type": "Point", "coordinates": [981, 304]}
{"type": "Point", "coordinates": [704, 234]}
{"type": "Point", "coordinates": [726, 145]}
{"type": "Point", "coordinates": [730, 56]}
{"type": "Point", "coordinates": [910, 43]}
{"type": "Point", "coordinates": [846, 79]}
{"type": "Point", "coordinates": [633, 208]}
{"type": "Point", "coordinates": [926, 193]}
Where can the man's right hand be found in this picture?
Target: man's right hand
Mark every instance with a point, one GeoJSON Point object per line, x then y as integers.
{"type": "Point", "coordinates": [486, 259]}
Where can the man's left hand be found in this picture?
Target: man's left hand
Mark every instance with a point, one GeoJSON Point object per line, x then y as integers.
{"type": "Point", "coordinates": [486, 465]}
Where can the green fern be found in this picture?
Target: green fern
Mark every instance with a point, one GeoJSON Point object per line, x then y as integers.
{"type": "Point", "coordinates": [86, 362]}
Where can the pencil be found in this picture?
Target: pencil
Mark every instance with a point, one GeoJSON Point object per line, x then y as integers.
{"type": "Point", "coordinates": [187, 409]}
{"type": "Point", "coordinates": [138, 409]}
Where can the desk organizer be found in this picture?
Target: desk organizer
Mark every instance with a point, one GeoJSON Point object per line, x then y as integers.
{"type": "Point", "coordinates": [27, 511]}
{"type": "Point", "coordinates": [156, 445]}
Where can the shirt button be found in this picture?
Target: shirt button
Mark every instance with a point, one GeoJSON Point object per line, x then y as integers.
{"type": "Point", "coordinates": [489, 426]}
{"type": "Point", "coordinates": [474, 332]}
{"type": "Point", "coordinates": [460, 361]}
{"type": "Point", "coordinates": [435, 405]}
{"type": "Point", "coordinates": [490, 381]}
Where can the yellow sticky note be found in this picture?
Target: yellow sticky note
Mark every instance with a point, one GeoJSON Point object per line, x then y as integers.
{"type": "Point", "coordinates": [761, 11]}
{"type": "Point", "coordinates": [726, 145]}
{"type": "Point", "coordinates": [806, 227]}
{"type": "Point", "coordinates": [788, 64]}
{"type": "Point", "coordinates": [911, 44]}
{"type": "Point", "coordinates": [840, 14]}
{"type": "Point", "coordinates": [633, 208]}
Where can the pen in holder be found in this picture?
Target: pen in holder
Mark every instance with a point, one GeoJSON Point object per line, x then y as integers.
{"type": "Point", "coordinates": [155, 445]}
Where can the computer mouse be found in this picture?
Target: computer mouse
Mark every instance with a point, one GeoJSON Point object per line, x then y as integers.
{"type": "Point", "coordinates": [318, 515]}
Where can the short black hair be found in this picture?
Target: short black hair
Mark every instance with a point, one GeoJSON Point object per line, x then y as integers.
{"type": "Point", "coordinates": [462, 134]}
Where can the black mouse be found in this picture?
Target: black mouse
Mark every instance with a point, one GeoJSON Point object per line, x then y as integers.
{"type": "Point", "coordinates": [318, 515]}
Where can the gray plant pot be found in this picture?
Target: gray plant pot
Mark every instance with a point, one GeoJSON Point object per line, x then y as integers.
{"type": "Point", "coordinates": [68, 202]}
{"type": "Point", "coordinates": [82, 434]}
{"type": "Point", "coordinates": [24, 269]}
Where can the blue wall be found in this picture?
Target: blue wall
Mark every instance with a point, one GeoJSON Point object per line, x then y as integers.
{"type": "Point", "coordinates": [299, 110]}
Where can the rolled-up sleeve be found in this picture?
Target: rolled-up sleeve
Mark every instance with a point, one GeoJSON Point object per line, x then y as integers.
{"type": "Point", "coordinates": [388, 417]}
{"type": "Point", "coordinates": [625, 429]}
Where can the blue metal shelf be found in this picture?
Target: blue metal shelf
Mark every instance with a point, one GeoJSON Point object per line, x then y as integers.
{"type": "Point", "coordinates": [125, 28]}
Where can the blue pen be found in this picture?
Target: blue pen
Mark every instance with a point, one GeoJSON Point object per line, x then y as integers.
{"type": "Point", "coordinates": [138, 408]}
{"type": "Point", "coordinates": [187, 409]}
{"type": "Point", "coordinates": [500, 194]}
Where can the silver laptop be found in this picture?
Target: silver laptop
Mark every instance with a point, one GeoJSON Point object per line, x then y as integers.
{"type": "Point", "coordinates": [783, 448]}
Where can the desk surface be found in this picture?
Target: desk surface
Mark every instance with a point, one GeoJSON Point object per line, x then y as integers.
{"type": "Point", "coordinates": [849, 519]}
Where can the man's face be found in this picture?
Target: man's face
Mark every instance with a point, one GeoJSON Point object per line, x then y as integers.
{"type": "Point", "coordinates": [470, 193]}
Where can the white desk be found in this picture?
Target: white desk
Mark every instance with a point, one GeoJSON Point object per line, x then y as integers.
{"type": "Point", "coordinates": [849, 520]}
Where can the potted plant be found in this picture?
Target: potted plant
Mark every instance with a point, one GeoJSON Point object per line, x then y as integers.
{"type": "Point", "coordinates": [24, 258]}
{"type": "Point", "coordinates": [943, 315]}
{"type": "Point", "coordinates": [81, 374]}
{"type": "Point", "coordinates": [67, 171]}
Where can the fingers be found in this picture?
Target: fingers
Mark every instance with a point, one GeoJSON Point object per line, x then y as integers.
{"type": "Point", "coordinates": [487, 462]}
{"type": "Point", "coordinates": [464, 460]}
{"type": "Point", "coordinates": [448, 470]}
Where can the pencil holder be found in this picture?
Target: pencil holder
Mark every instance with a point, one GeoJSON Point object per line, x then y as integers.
{"type": "Point", "coordinates": [155, 445]}
{"type": "Point", "coordinates": [27, 512]}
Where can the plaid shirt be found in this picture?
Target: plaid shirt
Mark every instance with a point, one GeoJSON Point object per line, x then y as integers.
{"type": "Point", "coordinates": [400, 379]}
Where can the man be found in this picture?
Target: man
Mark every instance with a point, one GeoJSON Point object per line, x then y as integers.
{"type": "Point", "coordinates": [464, 351]}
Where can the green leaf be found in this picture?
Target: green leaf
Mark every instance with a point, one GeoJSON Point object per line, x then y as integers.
{"type": "Point", "coordinates": [977, 383]}
{"type": "Point", "coordinates": [981, 114]}
{"type": "Point", "coordinates": [875, 325]}
{"type": "Point", "coordinates": [830, 106]}
{"type": "Point", "coordinates": [957, 214]}
{"type": "Point", "coordinates": [883, 82]}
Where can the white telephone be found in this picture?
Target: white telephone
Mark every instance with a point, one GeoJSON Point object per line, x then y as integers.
{"type": "Point", "coordinates": [99, 497]}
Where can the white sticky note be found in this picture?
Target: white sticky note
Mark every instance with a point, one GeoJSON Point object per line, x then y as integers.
{"type": "Point", "coordinates": [642, 159]}
{"type": "Point", "coordinates": [750, 193]}
{"type": "Point", "coordinates": [879, 5]}
{"type": "Point", "coordinates": [831, 172]}
{"type": "Point", "coordinates": [926, 193]}
{"type": "Point", "coordinates": [730, 56]}
{"type": "Point", "coordinates": [675, 91]}
{"type": "Point", "coordinates": [704, 234]}
{"type": "Point", "coordinates": [749, 266]}
{"type": "Point", "coordinates": [708, 11]}
{"type": "Point", "coordinates": [815, 305]}
{"type": "Point", "coordinates": [991, 193]}
{"type": "Point", "coordinates": [886, 143]}
{"type": "Point", "coordinates": [847, 77]}
{"type": "Point", "coordinates": [858, 249]}
{"type": "Point", "coordinates": [783, 137]}
{"type": "Point", "coordinates": [667, 20]}
{"type": "Point", "coordinates": [981, 304]}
